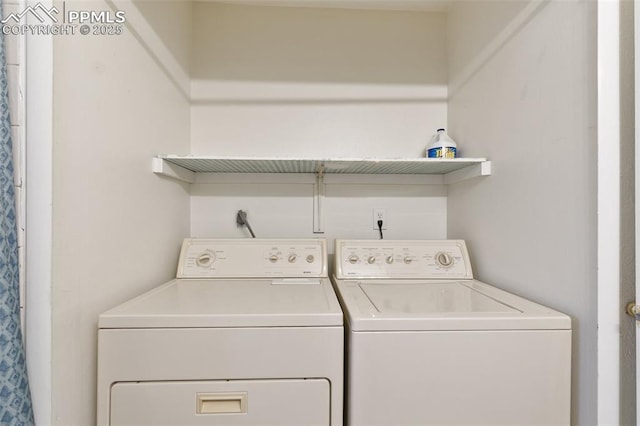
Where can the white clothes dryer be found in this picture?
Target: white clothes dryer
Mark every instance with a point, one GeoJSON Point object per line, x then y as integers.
{"type": "Point", "coordinates": [429, 345]}
{"type": "Point", "coordinates": [249, 333]}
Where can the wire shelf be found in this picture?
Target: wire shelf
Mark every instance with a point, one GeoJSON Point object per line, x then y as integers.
{"type": "Point", "coordinates": [210, 164]}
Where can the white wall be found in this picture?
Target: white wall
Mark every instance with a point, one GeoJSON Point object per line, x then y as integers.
{"type": "Point", "coordinates": [286, 81]}
{"type": "Point", "coordinates": [117, 226]}
{"type": "Point", "coordinates": [171, 23]}
{"type": "Point", "coordinates": [279, 81]}
{"type": "Point", "coordinates": [528, 102]}
{"type": "Point", "coordinates": [278, 208]}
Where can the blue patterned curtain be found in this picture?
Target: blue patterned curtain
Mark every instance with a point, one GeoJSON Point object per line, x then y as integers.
{"type": "Point", "coordinates": [15, 397]}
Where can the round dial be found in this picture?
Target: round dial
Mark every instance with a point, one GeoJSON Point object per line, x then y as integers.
{"type": "Point", "coordinates": [371, 260]}
{"type": "Point", "coordinates": [408, 259]}
{"type": "Point", "coordinates": [389, 260]}
{"type": "Point", "coordinates": [444, 259]}
{"type": "Point", "coordinates": [310, 258]}
{"type": "Point", "coordinates": [206, 259]}
{"type": "Point", "coordinates": [353, 259]}
{"type": "Point", "coordinates": [273, 258]}
{"type": "Point", "coordinates": [292, 258]}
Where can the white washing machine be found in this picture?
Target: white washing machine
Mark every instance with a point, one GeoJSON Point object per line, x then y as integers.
{"type": "Point", "coordinates": [429, 345]}
{"type": "Point", "coordinates": [250, 333]}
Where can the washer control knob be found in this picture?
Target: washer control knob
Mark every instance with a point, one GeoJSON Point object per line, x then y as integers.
{"type": "Point", "coordinates": [292, 258]}
{"type": "Point", "coordinates": [273, 258]}
{"type": "Point", "coordinates": [371, 260]}
{"type": "Point", "coordinates": [444, 259]}
{"type": "Point", "coordinates": [310, 258]}
{"type": "Point", "coordinates": [389, 260]}
{"type": "Point", "coordinates": [408, 259]}
{"type": "Point", "coordinates": [205, 259]}
{"type": "Point", "coordinates": [353, 259]}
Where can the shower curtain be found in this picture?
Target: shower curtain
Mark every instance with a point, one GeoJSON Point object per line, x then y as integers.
{"type": "Point", "coordinates": [15, 396]}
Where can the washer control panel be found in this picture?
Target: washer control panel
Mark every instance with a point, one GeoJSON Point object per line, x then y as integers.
{"type": "Point", "coordinates": [430, 259]}
{"type": "Point", "coordinates": [255, 258]}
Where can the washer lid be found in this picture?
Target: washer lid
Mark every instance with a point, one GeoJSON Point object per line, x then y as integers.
{"type": "Point", "coordinates": [414, 305]}
{"type": "Point", "coordinates": [181, 303]}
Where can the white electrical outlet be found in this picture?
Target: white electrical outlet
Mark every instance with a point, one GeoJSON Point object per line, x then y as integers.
{"type": "Point", "coordinates": [380, 214]}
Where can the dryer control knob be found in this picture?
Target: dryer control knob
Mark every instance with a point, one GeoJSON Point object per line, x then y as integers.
{"type": "Point", "coordinates": [389, 260]}
{"type": "Point", "coordinates": [292, 258]}
{"type": "Point", "coordinates": [408, 259]}
{"type": "Point", "coordinates": [205, 259]}
{"type": "Point", "coordinates": [353, 259]}
{"type": "Point", "coordinates": [310, 258]}
{"type": "Point", "coordinates": [273, 258]}
{"type": "Point", "coordinates": [371, 260]}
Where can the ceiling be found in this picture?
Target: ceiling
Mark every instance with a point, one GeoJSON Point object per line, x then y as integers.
{"type": "Point", "coordinates": [417, 5]}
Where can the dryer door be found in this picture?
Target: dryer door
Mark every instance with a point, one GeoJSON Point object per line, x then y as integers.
{"type": "Point", "coordinates": [236, 402]}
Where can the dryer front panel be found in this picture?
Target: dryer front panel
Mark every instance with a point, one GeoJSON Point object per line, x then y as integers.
{"type": "Point", "coordinates": [222, 402]}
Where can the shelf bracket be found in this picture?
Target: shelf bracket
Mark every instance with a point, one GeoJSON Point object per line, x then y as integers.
{"type": "Point", "coordinates": [318, 201]}
{"type": "Point", "coordinates": [164, 168]}
{"type": "Point", "coordinates": [480, 169]}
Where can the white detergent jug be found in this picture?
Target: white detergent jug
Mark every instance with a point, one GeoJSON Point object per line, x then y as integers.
{"type": "Point", "coordinates": [441, 146]}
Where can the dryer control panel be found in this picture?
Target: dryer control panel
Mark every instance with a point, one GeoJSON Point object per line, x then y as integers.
{"type": "Point", "coordinates": [254, 258]}
{"type": "Point", "coordinates": [430, 259]}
